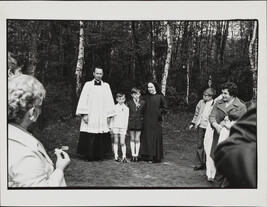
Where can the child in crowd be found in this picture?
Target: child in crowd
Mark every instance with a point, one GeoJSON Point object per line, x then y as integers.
{"type": "Point", "coordinates": [227, 123]}
{"type": "Point", "coordinates": [118, 126]}
{"type": "Point", "coordinates": [200, 122]}
{"type": "Point", "coordinates": [136, 120]}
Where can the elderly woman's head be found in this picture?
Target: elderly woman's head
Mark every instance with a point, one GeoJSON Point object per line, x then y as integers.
{"type": "Point", "coordinates": [25, 97]}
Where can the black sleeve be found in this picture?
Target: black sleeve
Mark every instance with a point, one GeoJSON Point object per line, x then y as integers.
{"type": "Point", "coordinates": [163, 106]}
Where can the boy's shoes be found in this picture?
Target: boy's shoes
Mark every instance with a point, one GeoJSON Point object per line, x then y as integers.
{"type": "Point", "coordinates": [124, 160]}
{"type": "Point", "coordinates": [117, 159]}
{"type": "Point", "coordinates": [136, 159]}
{"type": "Point", "coordinates": [211, 180]}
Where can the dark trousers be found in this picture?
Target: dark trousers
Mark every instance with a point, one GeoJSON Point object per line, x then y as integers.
{"type": "Point", "coordinates": [94, 146]}
{"type": "Point", "coordinates": [201, 155]}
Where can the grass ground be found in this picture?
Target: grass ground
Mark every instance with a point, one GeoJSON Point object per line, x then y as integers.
{"type": "Point", "coordinates": [175, 170]}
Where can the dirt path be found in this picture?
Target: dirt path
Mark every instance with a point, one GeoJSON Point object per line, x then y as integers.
{"type": "Point", "coordinates": [175, 170]}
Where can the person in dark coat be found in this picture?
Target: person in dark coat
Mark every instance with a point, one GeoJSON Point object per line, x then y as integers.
{"type": "Point", "coordinates": [136, 122]}
{"type": "Point", "coordinates": [151, 148]}
{"type": "Point", "coordinates": [220, 110]}
{"type": "Point", "coordinates": [236, 157]}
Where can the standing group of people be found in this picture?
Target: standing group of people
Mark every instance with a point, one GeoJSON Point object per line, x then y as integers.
{"type": "Point", "coordinates": [213, 120]}
{"type": "Point", "coordinates": [29, 164]}
{"type": "Point", "coordinates": [226, 160]}
{"type": "Point", "coordinates": [102, 119]}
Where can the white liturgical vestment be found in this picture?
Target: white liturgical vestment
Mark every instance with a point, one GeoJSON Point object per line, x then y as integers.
{"type": "Point", "coordinates": [97, 102]}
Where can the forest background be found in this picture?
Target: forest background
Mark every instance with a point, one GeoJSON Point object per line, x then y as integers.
{"type": "Point", "coordinates": [184, 57]}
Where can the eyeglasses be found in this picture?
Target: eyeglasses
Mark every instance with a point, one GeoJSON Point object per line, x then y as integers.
{"type": "Point", "coordinates": [206, 95]}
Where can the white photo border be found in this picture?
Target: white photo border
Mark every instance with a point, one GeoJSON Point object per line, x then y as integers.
{"type": "Point", "coordinates": [137, 10]}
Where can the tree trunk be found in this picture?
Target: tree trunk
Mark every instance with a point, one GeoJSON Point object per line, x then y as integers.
{"type": "Point", "coordinates": [223, 41]}
{"type": "Point", "coordinates": [80, 61]}
{"type": "Point", "coordinates": [218, 37]}
{"type": "Point", "coordinates": [168, 59]}
{"type": "Point", "coordinates": [153, 58]}
{"type": "Point", "coordinates": [33, 54]}
{"type": "Point", "coordinates": [210, 44]}
{"type": "Point", "coordinates": [177, 42]}
{"type": "Point", "coordinates": [200, 53]}
{"type": "Point", "coordinates": [137, 60]}
{"type": "Point", "coordinates": [210, 81]}
{"type": "Point", "coordinates": [187, 81]}
{"type": "Point", "coordinates": [253, 55]}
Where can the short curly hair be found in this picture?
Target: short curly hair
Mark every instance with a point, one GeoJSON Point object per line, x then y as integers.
{"type": "Point", "coordinates": [24, 92]}
{"type": "Point", "coordinates": [231, 87]}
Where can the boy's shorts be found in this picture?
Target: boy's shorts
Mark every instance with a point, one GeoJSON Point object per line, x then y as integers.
{"type": "Point", "coordinates": [119, 131]}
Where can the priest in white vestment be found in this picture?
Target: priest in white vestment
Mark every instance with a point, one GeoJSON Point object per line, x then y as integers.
{"type": "Point", "coordinates": [96, 106]}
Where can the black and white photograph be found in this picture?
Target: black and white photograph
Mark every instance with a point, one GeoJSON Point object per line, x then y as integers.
{"type": "Point", "coordinates": [133, 110]}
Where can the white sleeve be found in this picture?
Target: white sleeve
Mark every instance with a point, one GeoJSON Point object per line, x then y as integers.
{"type": "Point", "coordinates": [82, 107]}
{"type": "Point", "coordinates": [30, 171]}
{"type": "Point", "coordinates": [109, 101]}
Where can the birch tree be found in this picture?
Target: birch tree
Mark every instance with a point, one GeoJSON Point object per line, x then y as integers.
{"type": "Point", "coordinates": [187, 81]}
{"type": "Point", "coordinates": [153, 58]}
{"type": "Point", "coordinates": [168, 58]}
{"type": "Point", "coordinates": [253, 55]}
{"type": "Point", "coordinates": [80, 61]}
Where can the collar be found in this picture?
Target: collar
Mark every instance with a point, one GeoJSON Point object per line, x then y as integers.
{"type": "Point", "coordinates": [230, 102]}
{"type": "Point", "coordinates": [120, 105]}
{"type": "Point", "coordinates": [20, 135]}
{"type": "Point", "coordinates": [209, 102]}
{"type": "Point", "coordinates": [98, 83]}
{"type": "Point", "coordinates": [236, 101]}
{"type": "Point", "coordinates": [222, 105]}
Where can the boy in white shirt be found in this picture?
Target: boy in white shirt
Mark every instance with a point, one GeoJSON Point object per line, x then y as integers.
{"type": "Point", "coordinates": [118, 125]}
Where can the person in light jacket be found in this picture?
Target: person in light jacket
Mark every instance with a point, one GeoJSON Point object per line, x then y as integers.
{"type": "Point", "coordinates": [28, 163]}
{"type": "Point", "coordinates": [200, 122]}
